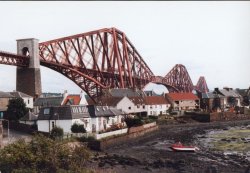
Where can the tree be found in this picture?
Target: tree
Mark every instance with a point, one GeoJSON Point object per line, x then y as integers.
{"type": "Point", "coordinates": [16, 109]}
{"type": "Point", "coordinates": [57, 133]}
{"type": "Point", "coordinates": [245, 100]}
{"type": "Point", "coordinates": [133, 122]}
{"type": "Point", "coordinates": [78, 128]}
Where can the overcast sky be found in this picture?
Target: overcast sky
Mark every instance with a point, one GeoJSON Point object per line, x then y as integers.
{"type": "Point", "coordinates": [211, 39]}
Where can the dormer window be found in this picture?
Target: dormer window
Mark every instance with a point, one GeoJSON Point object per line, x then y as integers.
{"type": "Point", "coordinates": [46, 111]}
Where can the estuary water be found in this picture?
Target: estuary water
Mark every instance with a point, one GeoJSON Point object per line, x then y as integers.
{"type": "Point", "coordinates": [230, 141]}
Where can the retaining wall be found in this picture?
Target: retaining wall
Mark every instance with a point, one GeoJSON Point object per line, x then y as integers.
{"type": "Point", "coordinates": [132, 134]}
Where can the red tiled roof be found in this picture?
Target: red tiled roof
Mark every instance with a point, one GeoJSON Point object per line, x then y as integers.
{"type": "Point", "coordinates": [182, 96]}
{"type": "Point", "coordinates": [137, 100]}
{"type": "Point", "coordinates": [72, 99]}
{"type": "Point", "coordinates": [156, 100]}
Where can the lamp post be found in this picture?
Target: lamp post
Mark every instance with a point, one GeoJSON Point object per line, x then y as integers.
{"type": "Point", "coordinates": [56, 114]}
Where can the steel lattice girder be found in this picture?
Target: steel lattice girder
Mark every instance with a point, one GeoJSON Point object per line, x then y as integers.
{"type": "Point", "coordinates": [103, 59]}
{"type": "Point", "coordinates": [201, 85]}
{"type": "Point", "coordinates": [13, 59]}
{"type": "Point", "coordinates": [179, 78]}
{"type": "Point", "coordinates": [106, 56]}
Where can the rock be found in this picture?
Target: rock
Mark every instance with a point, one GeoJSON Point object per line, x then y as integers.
{"type": "Point", "coordinates": [101, 164]}
{"type": "Point", "coordinates": [211, 169]}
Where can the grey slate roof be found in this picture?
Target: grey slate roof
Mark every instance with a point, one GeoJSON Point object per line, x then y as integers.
{"type": "Point", "coordinates": [19, 94]}
{"type": "Point", "coordinates": [30, 116]}
{"type": "Point", "coordinates": [48, 101]}
{"type": "Point", "coordinates": [63, 113]}
{"type": "Point", "coordinates": [98, 111]}
{"type": "Point", "coordinates": [5, 95]}
{"type": "Point", "coordinates": [125, 92]}
{"type": "Point", "coordinates": [243, 92]}
{"type": "Point", "coordinates": [229, 93]}
{"type": "Point", "coordinates": [211, 95]}
{"type": "Point", "coordinates": [77, 112]}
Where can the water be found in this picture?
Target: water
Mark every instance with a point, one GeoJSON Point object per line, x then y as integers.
{"type": "Point", "coordinates": [232, 141]}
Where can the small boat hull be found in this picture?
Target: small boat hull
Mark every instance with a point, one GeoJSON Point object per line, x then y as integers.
{"type": "Point", "coordinates": [182, 148]}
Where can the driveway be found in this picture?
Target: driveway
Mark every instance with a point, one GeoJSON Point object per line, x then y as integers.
{"type": "Point", "coordinates": [14, 136]}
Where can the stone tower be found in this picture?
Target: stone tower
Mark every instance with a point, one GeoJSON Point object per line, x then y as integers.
{"type": "Point", "coordinates": [28, 79]}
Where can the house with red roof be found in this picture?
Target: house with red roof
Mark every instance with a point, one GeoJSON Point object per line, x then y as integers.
{"type": "Point", "coordinates": [183, 101]}
{"type": "Point", "coordinates": [156, 105]}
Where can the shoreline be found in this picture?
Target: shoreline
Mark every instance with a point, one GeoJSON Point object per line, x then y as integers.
{"type": "Point", "coordinates": [150, 153]}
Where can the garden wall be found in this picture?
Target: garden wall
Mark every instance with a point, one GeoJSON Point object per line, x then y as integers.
{"type": "Point", "coordinates": [132, 134]}
{"type": "Point", "coordinates": [225, 116]}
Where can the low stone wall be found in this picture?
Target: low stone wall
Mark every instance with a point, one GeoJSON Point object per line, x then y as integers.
{"type": "Point", "coordinates": [216, 116]}
{"type": "Point", "coordinates": [129, 137]}
{"type": "Point", "coordinates": [225, 116]}
{"type": "Point", "coordinates": [112, 133]}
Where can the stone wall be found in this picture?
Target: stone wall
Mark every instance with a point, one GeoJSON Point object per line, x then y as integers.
{"type": "Point", "coordinates": [129, 137]}
{"type": "Point", "coordinates": [225, 116]}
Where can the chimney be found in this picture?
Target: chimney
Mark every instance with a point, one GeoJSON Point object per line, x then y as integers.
{"type": "Point", "coordinates": [65, 94]}
{"type": "Point", "coordinates": [216, 90]}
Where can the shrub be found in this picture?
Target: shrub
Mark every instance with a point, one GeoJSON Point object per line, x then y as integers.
{"type": "Point", "coordinates": [133, 122]}
{"type": "Point", "coordinates": [43, 154]}
{"type": "Point", "coordinates": [78, 128]}
{"type": "Point", "coordinates": [86, 139]}
{"type": "Point", "coordinates": [57, 133]}
{"type": "Point", "coordinates": [153, 117]}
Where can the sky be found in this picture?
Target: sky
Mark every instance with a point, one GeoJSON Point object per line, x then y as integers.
{"type": "Point", "coordinates": [211, 38]}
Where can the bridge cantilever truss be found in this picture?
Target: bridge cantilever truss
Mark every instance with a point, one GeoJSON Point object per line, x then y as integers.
{"type": "Point", "coordinates": [95, 60]}
{"type": "Point", "coordinates": [103, 59]}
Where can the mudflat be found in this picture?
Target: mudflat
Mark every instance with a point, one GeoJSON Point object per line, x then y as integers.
{"type": "Point", "coordinates": [151, 153]}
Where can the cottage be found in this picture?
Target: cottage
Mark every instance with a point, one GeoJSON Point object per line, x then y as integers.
{"type": "Point", "coordinates": [220, 99]}
{"type": "Point", "coordinates": [183, 101]}
{"type": "Point", "coordinates": [104, 117]}
{"type": "Point", "coordinates": [94, 118]}
{"type": "Point", "coordinates": [27, 99]}
{"type": "Point", "coordinates": [156, 105]}
{"type": "Point", "coordinates": [64, 117]}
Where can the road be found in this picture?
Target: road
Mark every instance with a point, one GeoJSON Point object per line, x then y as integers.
{"type": "Point", "coordinates": [14, 136]}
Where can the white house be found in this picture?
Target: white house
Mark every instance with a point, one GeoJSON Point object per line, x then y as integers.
{"type": "Point", "coordinates": [156, 105]}
{"type": "Point", "coordinates": [28, 100]}
{"type": "Point", "coordinates": [64, 117]}
{"type": "Point", "coordinates": [104, 117]}
{"type": "Point", "coordinates": [94, 118]}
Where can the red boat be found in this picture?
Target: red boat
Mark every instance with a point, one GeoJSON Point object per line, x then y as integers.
{"type": "Point", "coordinates": [179, 147]}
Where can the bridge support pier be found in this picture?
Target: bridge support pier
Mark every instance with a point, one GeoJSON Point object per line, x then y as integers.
{"type": "Point", "coordinates": [28, 79]}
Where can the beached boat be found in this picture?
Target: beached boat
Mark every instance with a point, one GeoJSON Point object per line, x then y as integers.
{"type": "Point", "coordinates": [180, 147]}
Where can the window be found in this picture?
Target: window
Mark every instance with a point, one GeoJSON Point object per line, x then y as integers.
{"type": "Point", "coordinates": [28, 101]}
{"type": "Point", "coordinates": [143, 106]}
{"type": "Point", "coordinates": [138, 106]}
{"type": "Point", "coordinates": [129, 107]}
{"type": "Point", "coordinates": [46, 111]}
{"type": "Point", "coordinates": [53, 124]}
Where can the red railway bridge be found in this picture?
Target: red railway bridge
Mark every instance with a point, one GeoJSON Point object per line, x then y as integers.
{"type": "Point", "coordinates": [96, 60]}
